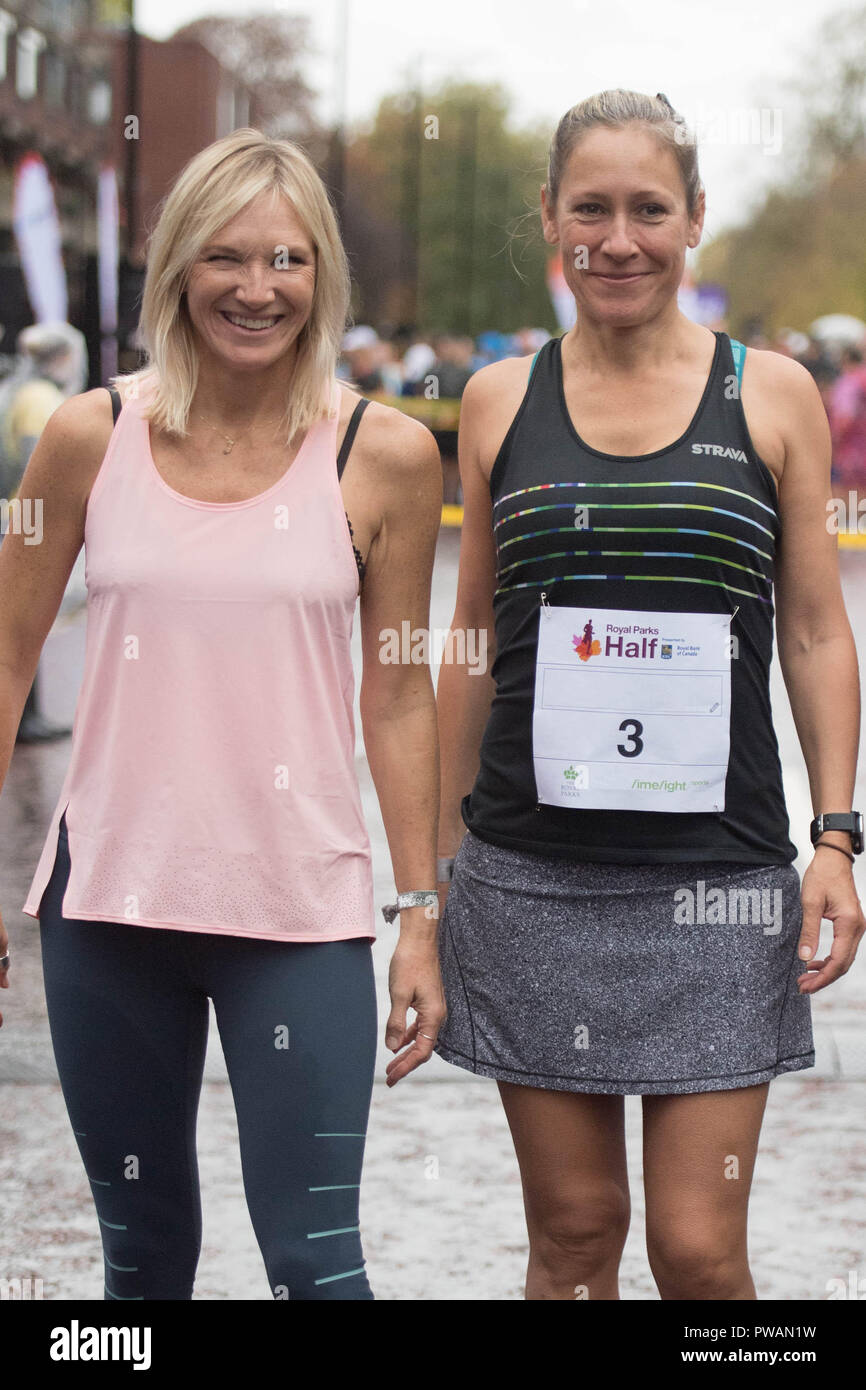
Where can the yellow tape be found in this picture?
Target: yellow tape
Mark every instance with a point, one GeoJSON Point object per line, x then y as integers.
{"type": "Point", "coordinates": [441, 414]}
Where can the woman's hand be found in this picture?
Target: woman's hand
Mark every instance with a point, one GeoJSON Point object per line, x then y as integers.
{"type": "Point", "coordinates": [829, 891]}
{"type": "Point", "coordinates": [414, 982]}
{"type": "Point", "coordinates": [4, 947]}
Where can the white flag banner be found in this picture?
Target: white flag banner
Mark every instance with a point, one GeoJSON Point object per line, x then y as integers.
{"type": "Point", "coordinates": [107, 222]}
{"type": "Point", "coordinates": [36, 225]}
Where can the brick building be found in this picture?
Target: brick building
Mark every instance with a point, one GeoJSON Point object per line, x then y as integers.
{"type": "Point", "coordinates": [72, 74]}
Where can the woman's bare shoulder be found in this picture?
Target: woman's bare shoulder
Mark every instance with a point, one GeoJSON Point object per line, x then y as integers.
{"type": "Point", "coordinates": [498, 382]}
{"type": "Point", "coordinates": [388, 439]}
{"type": "Point", "coordinates": [775, 372]}
{"type": "Point", "coordinates": [72, 445]}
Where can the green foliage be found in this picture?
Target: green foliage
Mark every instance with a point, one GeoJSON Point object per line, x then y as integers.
{"type": "Point", "coordinates": [802, 253]}
{"type": "Point", "coordinates": [460, 191]}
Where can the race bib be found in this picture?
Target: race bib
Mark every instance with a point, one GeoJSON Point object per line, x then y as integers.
{"type": "Point", "coordinates": [632, 710]}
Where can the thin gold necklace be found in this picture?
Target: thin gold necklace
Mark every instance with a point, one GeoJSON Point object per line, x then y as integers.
{"type": "Point", "coordinates": [227, 437]}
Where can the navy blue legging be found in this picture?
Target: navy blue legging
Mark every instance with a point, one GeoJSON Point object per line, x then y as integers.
{"type": "Point", "coordinates": [128, 1011]}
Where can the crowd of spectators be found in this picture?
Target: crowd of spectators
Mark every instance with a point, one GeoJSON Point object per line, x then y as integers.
{"type": "Point", "coordinates": [405, 362]}
{"type": "Point", "coordinates": [839, 371]}
{"type": "Point", "coordinates": [402, 362]}
{"type": "Point", "coordinates": [436, 366]}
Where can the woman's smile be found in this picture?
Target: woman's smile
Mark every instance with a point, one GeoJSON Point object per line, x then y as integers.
{"type": "Point", "coordinates": [249, 325]}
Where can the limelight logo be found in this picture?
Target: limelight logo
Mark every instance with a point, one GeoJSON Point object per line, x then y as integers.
{"type": "Point", "coordinates": [719, 451]}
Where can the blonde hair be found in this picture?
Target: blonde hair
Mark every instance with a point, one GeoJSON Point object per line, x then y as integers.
{"type": "Point", "coordinates": [210, 190]}
{"type": "Point", "coordinates": [617, 108]}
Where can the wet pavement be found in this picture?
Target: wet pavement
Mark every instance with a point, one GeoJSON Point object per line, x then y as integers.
{"type": "Point", "coordinates": [441, 1206]}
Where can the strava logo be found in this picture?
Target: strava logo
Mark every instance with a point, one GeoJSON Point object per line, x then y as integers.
{"type": "Point", "coordinates": [720, 452]}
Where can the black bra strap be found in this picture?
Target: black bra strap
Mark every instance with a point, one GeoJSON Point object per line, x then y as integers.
{"type": "Point", "coordinates": [116, 402]}
{"type": "Point", "coordinates": [351, 430]}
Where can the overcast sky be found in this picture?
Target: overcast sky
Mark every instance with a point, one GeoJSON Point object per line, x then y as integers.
{"type": "Point", "coordinates": [712, 58]}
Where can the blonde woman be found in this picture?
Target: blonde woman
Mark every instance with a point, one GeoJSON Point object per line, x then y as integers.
{"type": "Point", "coordinates": [208, 840]}
{"type": "Point", "coordinates": [631, 495]}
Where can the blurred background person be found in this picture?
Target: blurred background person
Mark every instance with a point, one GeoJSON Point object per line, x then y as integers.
{"type": "Point", "coordinates": [818, 361]}
{"type": "Point", "coordinates": [362, 352]}
{"type": "Point", "coordinates": [52, 365]}
{"type": "Point", "coordinates": [418, 360]}
{"type": "Point", "coordinates": [847, 399]}
{"type": "Point", "coordinates": [452, 369]}
{"type": "Point", "coordinates": [390, 362]}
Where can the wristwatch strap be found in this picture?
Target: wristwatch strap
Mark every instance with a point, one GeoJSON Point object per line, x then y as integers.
{"type": "Point", "coordinates": [418, 897]}
{"type": "Point", "coordinates": [849, 821]}
{"type": "Point", "coordinates": [827, 844]}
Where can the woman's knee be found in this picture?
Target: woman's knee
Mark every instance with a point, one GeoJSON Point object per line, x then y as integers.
{"type": "Point", "coordinates": [580, 1234]}
{"type": "Point", "coordinates": [695, 1260]}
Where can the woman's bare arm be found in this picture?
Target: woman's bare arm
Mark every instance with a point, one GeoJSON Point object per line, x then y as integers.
{"type": "Point", "coordinates": [34, 573]}
{"type": "Point", "coordinates": [465, 690]}
{"type": "Point", "coordinates": [818, 658]}
{"type": "Point", "coordinates": [45, 533]}
{"type": "Point", "coordinates": [398, 708]}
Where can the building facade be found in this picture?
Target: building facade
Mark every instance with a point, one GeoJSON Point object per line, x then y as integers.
{"type": "Point", "coordinates": [81, 89]}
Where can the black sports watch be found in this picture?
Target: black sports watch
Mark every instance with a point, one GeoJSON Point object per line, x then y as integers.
{"type": "Point", "coordinates": [852, 821]}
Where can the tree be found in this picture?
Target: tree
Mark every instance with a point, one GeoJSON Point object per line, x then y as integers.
{"type": "Point", "coordinates": [455, 193]}
{"type": "Point", "coordinates": [266, 52]}
{"type": "Point", "coordinates": [830, 94]}
{"type": "Point", "coordinates": [802, 253]}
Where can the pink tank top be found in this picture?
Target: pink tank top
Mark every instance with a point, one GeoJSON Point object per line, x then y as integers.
{"type": "Point", "coordinates": [212, 783]}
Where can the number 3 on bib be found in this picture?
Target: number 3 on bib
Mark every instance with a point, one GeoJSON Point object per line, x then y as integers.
{"type": "Point", "coordinates": [632, 710]}
{"type": "Point", "coordinates": [634, 729]}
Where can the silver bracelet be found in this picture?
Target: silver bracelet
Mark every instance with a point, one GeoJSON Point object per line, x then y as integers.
{"type": "Point", "coordinates": [418, 897]}
{"type": "Point", "coordinates": [444, 870]}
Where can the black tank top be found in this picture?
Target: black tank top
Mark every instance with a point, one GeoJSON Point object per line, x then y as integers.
{"type": "Point", "coordinates": [691, 528]}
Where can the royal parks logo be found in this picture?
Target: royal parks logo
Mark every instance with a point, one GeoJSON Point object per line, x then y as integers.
{"type": "Point", "coordinates": [631, 642]}
{"type": "Point", "coordinates": [574, 778]}
{"type": "Point", "coordinates": [587, 645]}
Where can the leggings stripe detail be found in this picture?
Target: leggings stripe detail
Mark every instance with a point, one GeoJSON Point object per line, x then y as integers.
{"type": "Point", "coordinates": [331, 1277]}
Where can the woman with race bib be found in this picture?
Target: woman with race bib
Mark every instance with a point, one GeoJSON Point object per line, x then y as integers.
{"type": "Point", "coordinates": [624, 917]}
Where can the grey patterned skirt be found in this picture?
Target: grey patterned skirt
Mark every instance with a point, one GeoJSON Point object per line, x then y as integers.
{"type": "Point", "coordinates": [621, 979]}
